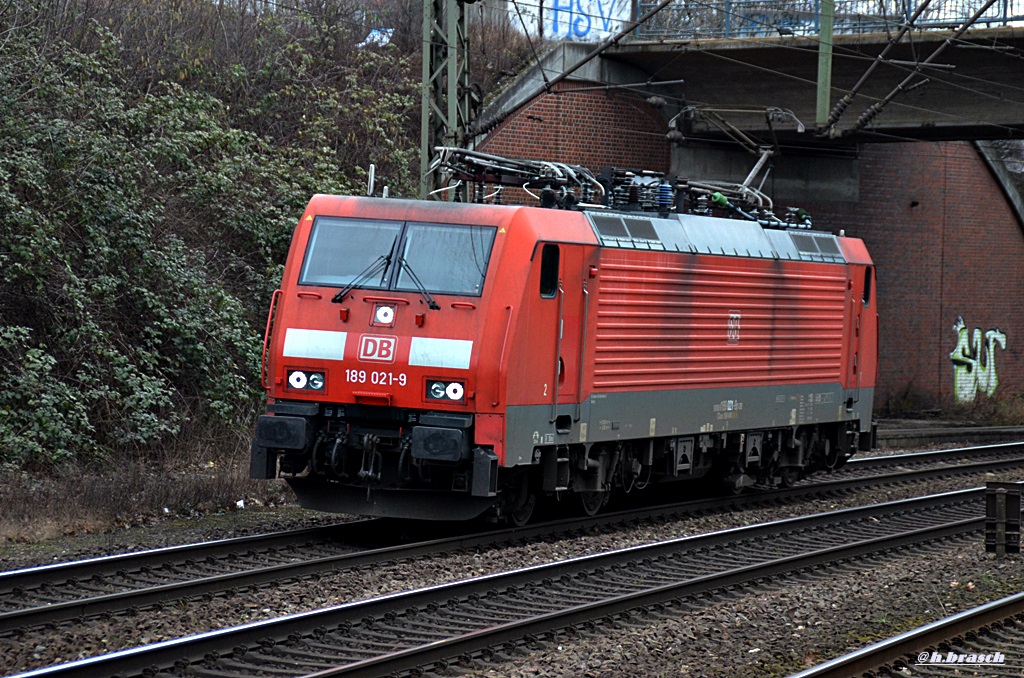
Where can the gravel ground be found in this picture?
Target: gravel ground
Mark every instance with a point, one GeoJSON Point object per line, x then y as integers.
{"type": "Point", "coordinates": [764, 633]}
{"type": "Point", "coordinates": [793, 625]}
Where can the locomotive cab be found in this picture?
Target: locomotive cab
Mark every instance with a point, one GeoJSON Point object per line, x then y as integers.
{"type": "Point", "coordinates": [371, 359]}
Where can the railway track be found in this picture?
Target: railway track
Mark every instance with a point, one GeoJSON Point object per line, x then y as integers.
{"type": "Point", "coordinates": [983, 641]}
{"type": "Point", "coordinates": [938, 460]}
{"type": "Point", "coordinates": [128, 583]}
{"type": "Point", "coordinates": [895, 436]}
{"type": "Point", "coordinates": [400, 632]}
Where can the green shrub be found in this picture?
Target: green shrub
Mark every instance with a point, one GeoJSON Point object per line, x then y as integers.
{"type": "Point", "coordinates": [147, 197]}
{"type": "Point", "coordinates": [41, 418]}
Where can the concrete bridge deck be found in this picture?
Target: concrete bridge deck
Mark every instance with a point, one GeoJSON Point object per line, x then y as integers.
{"type": "Point", "coordinates": [975, 92]}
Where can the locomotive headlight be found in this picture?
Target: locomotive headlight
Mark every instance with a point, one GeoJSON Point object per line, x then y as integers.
{"type": "Point", "coordinates": [297, 379]}
{"type": "Point", "coordinates": [302, 380]}
{"type": "Point", "coordinates": [454, 391]}
{"type": "Point", "coordinates": [385, 315]}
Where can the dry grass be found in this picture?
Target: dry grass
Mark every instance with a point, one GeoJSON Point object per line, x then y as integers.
{"type": "Point", "coordinates": [1005, 411]}
{"type": "Point", "coordinates": [36, 506]}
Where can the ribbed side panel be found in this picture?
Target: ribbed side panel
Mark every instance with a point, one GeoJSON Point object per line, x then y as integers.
{"type": "Point", "coordinates": [675, 321]}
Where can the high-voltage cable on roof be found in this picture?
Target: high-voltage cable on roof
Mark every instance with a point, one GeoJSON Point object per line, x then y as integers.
{"type": "Point", "coordinates": [468, 165]}
{"type": "Point", "coordinates": [566, 186]}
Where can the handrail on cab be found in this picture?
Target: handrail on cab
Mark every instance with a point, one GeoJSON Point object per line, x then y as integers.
{"type": "Point", "coordinates": [266, 339]}
{"type": "Point", "coordinates": [389, 300]}
{"type": "Point", "coordinates": [502, 372]}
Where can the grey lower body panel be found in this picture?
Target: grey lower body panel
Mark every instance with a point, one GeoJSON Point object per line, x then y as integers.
{"type": "Point", "coordinates": [606, 417]}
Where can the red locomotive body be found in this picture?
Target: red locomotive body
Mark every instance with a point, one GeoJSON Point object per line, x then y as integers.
{"type": "Point", "coordinates": [445, 360]}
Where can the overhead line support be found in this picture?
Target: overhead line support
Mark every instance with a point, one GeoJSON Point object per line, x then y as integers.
{"type": "Point", "coordinates": [446, 98]}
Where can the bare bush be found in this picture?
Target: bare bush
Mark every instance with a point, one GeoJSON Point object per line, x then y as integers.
{"type": "Point", "coordinates": [498, 50]}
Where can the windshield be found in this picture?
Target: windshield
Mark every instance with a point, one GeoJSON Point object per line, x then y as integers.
{"type": "Point", "coordinates": [340, 250]}
{"type": "Point", "coordinates": [444, 258]}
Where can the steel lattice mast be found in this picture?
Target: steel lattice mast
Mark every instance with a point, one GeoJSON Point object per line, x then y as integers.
{"type": "Point", "coordinates": [447, 98]}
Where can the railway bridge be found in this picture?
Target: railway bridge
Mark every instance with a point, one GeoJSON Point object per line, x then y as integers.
{"type": "Point", "coordinates": [948, 72]}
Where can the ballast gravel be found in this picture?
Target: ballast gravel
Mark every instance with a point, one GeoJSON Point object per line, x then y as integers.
{"type": "Point", "coordinates": [772, 630]}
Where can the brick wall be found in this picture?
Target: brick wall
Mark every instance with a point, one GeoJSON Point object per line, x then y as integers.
{"type": "Point", "coordinates": [942, 234]}
{"type": "Point", "coordinates": [947, 245]}
{"type": "Point", "coordinates": [595, 129]}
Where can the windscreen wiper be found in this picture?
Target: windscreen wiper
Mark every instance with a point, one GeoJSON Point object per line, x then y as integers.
{"type": "Point", "coordinates": [381, 264]}
{"type": "Point", "coordinates": [419, 286]}
{"type": "Point", "coordinates": [378, 264]}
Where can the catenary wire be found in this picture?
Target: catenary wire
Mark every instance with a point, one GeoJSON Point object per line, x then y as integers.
{"type": "Point", "coordinates": [847, 53]}
{"type": "Point", "coordinates": [922, 109]}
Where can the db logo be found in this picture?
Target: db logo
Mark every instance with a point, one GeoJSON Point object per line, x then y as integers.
{"type": "Point", "coordinates": [377, 349]}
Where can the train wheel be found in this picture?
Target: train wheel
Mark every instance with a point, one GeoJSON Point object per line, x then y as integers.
{"type": "Point", "coordinates": [591, 502]}
{"type": "Point", "coordinates": [521, 514]}
{"type": "Point", "coordinates": [790, 476]}
{"type": "Point", "coordinates": [522, 502]}
{"type": "Point", "coordinates": [831, 454]}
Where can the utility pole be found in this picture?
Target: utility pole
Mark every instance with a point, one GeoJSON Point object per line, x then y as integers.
{"type": "Point", "coordinates": [446, 96]}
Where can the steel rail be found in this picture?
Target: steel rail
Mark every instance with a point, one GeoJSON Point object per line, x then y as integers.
{"type": "Point", "coordinates": [892, 518]}
{"type": "Point", "coordinates": [934, 455]}
{"type": "Point", "coordinates": [942, 435]}
{"type": "Point", "coordinates": [82, 569]}
{"type": "Point", "coordinates": [910, 475]}
{"type": "Point", "coordinates": [907, 646]}
{"type": "Point", "coordinates": [499, 634]}
{"type": "Point", "coordinates": [141, 598]}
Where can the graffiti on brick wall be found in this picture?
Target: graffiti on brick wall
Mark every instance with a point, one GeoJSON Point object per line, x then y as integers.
{"type": "Point", "coordinates": [974, 361]}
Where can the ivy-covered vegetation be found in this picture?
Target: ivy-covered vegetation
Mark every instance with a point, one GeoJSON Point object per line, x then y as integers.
{"type": "Point", "coordinates": [154, 157]}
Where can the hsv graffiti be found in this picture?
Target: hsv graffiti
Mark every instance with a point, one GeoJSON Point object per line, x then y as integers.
{"type": "Point", "coordinates": [584, 20]}
{"type": "Point", "coordinates": [974, 362]}
{"type": "Point", "coordinates": [578, 20]}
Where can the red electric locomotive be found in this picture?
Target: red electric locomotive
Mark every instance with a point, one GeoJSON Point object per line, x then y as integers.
{"type": "Point", "coordinates": [443, 360]}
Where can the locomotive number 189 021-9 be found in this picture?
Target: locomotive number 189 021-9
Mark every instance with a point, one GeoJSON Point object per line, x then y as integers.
{"type": "Point", "coordinates": [376, 377]}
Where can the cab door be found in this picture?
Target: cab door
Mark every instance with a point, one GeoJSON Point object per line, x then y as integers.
{"type": "Point", "coordinates": [574, 309]}
{"type": "Point", "coordinates": [562, 303]}
{"type": "Point", "coordinates": [860, 302]}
